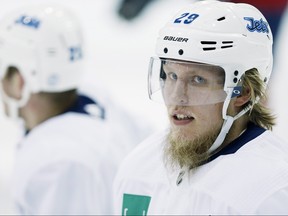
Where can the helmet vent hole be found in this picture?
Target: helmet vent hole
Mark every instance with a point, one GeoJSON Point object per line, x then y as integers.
{"type": "Point", "coordinates": [265, 79]}
{"type": "Point", "coordinates": [224, 47]}
{"type": "Point", "coordinates": [165, 50]}
{"type": "Point", "coordinates": [180, 52]}
{"type": "Point", "coordinates": [236, 73]}
{"type": "Point", "coordinates": [208, 46]}
{"type": "Point", "coordinates": [51, 51]}
{"type": "Point", "coordinates": [221, 18]}
{"type": "Point", "coordinates": [268, 37]}
{"type": "Point", "coordinates": [235, 80]}
{"type": "Point", "coordinates": [227, 44]}
{"type": "Point", "coordinates": [208, 42]}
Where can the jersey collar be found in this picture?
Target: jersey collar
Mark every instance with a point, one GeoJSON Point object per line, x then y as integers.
{"type": "Point", "coordinates": [249, 134]}
{"type": "Point", "coordinates": [80, 106]}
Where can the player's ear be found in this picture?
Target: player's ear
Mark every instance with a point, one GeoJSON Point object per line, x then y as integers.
{"type": "Point", "coordinates": [243, 98]}
{"type": "Point", "coordinates": [13, 83]}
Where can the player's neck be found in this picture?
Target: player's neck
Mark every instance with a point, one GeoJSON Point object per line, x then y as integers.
{"type": "Point", "coordinates": [238, 127]}
{"type": "Point", "coordinates": [38, 111]}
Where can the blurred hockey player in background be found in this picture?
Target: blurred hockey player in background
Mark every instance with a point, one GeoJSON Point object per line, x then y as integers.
{"type": "Point", "coordinates": [72, 142]}
{"type": "Point", "coordinates": [219, 156]}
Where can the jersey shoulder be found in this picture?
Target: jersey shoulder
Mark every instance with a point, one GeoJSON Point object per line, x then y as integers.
{"type": "Point", "coordinates": [142, 159]}
{"type": "Point", "coordinates": [249, 177]}
{"type": "Point", "coordinates": [65, 138]}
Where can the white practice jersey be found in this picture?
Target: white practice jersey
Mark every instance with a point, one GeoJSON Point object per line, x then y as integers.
{"type": "Point", "coordinates": [250, 176]}
{"type": "Point", "coordinates": [66, 165]}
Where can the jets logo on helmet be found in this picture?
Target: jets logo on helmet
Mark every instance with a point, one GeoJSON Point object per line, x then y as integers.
{"type": "Point", "coordinates": [257, 25]}
{"type": "Point", "coordinates": [28, 21]}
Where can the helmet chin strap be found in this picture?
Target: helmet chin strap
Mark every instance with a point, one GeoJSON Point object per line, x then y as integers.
{"type": "Point", "coordinates": [228, 122]}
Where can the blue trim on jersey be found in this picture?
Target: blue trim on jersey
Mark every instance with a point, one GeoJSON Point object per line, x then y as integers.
{"type": "Point", "coordinates": [251, 133]}
{"type": "Point", "coordinates": [82, 101]}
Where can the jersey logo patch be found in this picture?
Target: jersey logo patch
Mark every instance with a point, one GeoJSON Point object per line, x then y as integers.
{"type": "Point", "coordinates": [28, 21]}
{"type": "Point", "coordinates": [257, 25]}
{"type": "Point", "coordinates": [135, 204]}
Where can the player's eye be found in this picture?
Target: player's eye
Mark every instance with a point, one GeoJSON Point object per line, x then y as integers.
{"type": "Point", "coordinates": [172, 76]}
{"type": "Point", "coordinates": [198, 80]}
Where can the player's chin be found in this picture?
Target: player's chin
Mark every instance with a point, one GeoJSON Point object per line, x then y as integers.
{"type": "Point", "coordinates": [183, 133]}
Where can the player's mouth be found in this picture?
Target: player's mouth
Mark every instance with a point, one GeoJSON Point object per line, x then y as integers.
{"type": "Point", "coordinates": [182, 119]}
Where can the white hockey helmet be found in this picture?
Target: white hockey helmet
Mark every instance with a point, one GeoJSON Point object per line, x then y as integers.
{"type": "Point", "coordinates": [235, 37]}
{"type": "Point", "coordinates": [45, 44]}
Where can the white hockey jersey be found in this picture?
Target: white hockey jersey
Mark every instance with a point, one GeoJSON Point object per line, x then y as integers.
{"type": "Point", "coordinates": [250, 176]}
{"type": "Point", "coordinates": [66, 165]}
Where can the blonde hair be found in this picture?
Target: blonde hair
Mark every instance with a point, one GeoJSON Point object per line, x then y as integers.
{"type": "Point", "coordinates": [259, 113]}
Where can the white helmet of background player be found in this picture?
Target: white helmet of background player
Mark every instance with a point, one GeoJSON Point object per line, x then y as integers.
{"type": "Point", "coordinates": [45, 44]}
{"type": "Point", "coordinates": [235, 37]}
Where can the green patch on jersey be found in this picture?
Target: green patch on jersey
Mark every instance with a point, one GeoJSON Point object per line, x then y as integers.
{"type": "Point", "coordinates": [135, 204]}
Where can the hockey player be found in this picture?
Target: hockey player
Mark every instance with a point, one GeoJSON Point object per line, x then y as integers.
{"type": "Point", "coordinates": [66, 162]}
{"type": "Point", "coordinates": [213, 63]}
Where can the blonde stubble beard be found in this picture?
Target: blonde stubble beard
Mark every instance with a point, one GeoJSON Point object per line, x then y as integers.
{"type": "Point", "coordinates": [189, 152]}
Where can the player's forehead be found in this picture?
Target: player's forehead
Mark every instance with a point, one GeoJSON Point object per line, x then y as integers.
{"type": "Point", "coordinates": [190, 68]}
